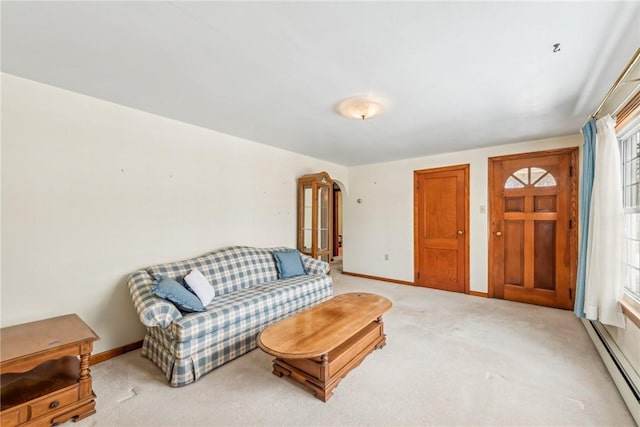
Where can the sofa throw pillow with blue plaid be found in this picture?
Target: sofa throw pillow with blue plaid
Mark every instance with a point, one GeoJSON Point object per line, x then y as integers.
{"type": "Point", "coordinates": [200, 286]}
{"type": "Point", "coordinates": [289, 263]}
{"type": "Point", "coordinates": [173, 291]}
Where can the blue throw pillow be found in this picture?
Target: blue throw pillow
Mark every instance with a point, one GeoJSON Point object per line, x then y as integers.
{"type": "Point", "coordinates": [289, 263]}
{"type": "Point", "coordinates": [173, 291]}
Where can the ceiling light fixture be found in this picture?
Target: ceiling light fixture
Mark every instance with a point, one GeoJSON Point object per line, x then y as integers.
{"type": "Point", "coordinates": [359, 107]}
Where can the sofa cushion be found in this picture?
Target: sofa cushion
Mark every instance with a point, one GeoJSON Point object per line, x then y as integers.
{"type": "Point", "coordinates": [173, 291]}
{"type": "Point", "coordinates": [289, 263]}
{"type": "Point", "coordinates": [240, 305]}
{"type": "Point", "coordinates": [228, 269]}
{"type": "Point", "coordinates": [199, 284]}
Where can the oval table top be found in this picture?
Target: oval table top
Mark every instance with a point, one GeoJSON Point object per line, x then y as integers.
{"type": "Point", "coordinates": [320, 329]}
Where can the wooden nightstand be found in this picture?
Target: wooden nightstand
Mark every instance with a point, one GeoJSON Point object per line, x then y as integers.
{"type": "Point", "coordinates": [44, 369]}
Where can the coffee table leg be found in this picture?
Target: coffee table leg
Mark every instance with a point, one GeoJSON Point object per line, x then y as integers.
{"type": "Point", "coordinates": [384, 336]}
{"type": "Point", "coordinates": [317, 386]}
{"type": "Point", "coordinates": [324, 393]}
{"type": "Point", "coordinates": [279, 370]}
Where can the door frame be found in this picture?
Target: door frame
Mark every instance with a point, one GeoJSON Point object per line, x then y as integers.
{"type": "Point", "coordinates": [416, 250]}
{"type": "Point", "coordinates": [336, 220]}
{"type": "Point", "coordinates": [573, 211]}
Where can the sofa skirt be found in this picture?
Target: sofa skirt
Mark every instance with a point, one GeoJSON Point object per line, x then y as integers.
{"type": "Point", "coordinates": [184, 371]}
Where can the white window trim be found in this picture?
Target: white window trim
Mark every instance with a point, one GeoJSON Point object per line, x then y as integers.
{"type": "Point", "coordinates": [630, 301]}
{"type": "Point", "coordinates": [628, 129]}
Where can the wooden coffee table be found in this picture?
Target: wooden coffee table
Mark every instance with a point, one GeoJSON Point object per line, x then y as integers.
{"type": "Point", "coordinates": [320, 346]}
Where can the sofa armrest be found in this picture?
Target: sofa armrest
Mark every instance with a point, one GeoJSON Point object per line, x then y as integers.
{"type": "Point", "coordinates": [314, 266]}
{"type": "Point", "coordinates": [152, 310]}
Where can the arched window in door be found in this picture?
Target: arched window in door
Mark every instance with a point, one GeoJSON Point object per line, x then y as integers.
{"type": "Point", "coordinates": [532, 176]}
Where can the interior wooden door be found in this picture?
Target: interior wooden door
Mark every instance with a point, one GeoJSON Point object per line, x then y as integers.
{"type": "Point", "coordinates": [441, 243]}
{"type": "Point", "coordinates": [533, 229]}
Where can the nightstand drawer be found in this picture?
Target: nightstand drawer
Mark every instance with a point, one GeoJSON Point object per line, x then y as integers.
{"type": "Point", "coordinates": [13, 417]}
{"type": "Point", "coordinates": [53, 401]}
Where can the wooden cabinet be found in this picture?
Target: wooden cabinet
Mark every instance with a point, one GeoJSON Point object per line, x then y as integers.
{"type": "Point", "coordinates": [315, 212]}
{"type": "Point", "coordinates": [44, 372]}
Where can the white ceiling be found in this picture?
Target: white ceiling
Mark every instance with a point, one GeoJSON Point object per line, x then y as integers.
{"type": "Point", "coordinates": [452, 76]}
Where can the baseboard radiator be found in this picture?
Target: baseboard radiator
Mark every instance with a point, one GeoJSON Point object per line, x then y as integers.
{"type": "Point", "coordinates": [624, 376]}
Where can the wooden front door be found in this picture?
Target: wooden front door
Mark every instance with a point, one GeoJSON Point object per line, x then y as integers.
{"type": "Point", "coordinates": [533, 229]}
{"type": "Point", "coordinates": [441, 242]}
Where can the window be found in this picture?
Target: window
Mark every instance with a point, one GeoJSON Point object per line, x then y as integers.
{"type": "Point", "coordinates": [530, 176]}
{"type": "Point", "coordinates": [630, 157]}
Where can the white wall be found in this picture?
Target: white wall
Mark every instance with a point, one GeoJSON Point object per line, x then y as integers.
{"type": "Point", "coordinates": [92, 191]}
{"type": "Point", "coordinates": [383, 222]}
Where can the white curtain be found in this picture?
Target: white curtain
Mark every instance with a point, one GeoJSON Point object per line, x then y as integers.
{"type": "Point", "coordinates": [605, 250]}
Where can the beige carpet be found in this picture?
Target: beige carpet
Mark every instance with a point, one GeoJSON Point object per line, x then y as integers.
{"type": "Point", "coordinates": [450, 359]}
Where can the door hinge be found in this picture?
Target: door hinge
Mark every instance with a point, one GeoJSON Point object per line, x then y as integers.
{"type": "Point", "coordinates": [417, 275]}
{"type": "Point", "coordinates": [570, 224]}
{"type": "Point", "coordinates": [418, 185]}
{"type": "Point", "coordinates": [570, 170]}
{"type": "Point", "coordinates": [570, 293]}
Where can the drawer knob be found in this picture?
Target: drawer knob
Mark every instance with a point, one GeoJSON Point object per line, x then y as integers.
{"type": "Point", "coordinates": [54, 404]}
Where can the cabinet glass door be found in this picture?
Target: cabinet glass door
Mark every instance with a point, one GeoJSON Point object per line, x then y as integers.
{"type": "Point", "coordinates": [307, 219]}
{"type": "Point", "coordinates": [323, 218]}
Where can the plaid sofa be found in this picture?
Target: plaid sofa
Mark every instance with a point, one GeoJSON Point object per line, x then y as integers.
{"type": "Point", "coordinates": [249, 296]}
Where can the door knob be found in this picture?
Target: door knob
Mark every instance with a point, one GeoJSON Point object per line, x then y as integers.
{"type": "Point", "coordinates": [498, 233]}
{"type": "Point", "coordinates": [459, 232]}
